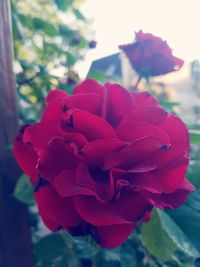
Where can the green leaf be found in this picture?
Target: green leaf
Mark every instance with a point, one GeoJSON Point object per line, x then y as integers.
{"type": "Point", "coordinates": [26, 21]}
{"type": "Point", "coordinates": [183, 228]}
{"type": "Point", "coordinates": [17, 34]}
{"type": "Point", "coordinates": [45, 26]}
{"type": "Point", "coordinates": [71, 60]}
{"type": "Point", "coordinates": [63, 4]}
{"type": "Point", "coordinates": [127, 255]}
{"type": "Point", "coordinates": [109, 258]}
{"type": "Point", "coordinates": [98, 76]}
{"type": "Point", "coordinates": [79, 15]}
{"type": "Point", "coordinates": [193, 126]}
{"type": "Point", "coordinates": [84, 249]}
{"type": "Point", "coordinates": [193, 173]}
{"type": "Point", "coordinates": [66, 31]}
{"type": "Point", "coordinates": [193, 200]}
{"type": "Point", "coordinates": [24, 190]}
{"type": "Point", "coordinates": [112, 255]}
{"type": "Point", "coordinates": [194, 138]}
{"type": "Point", "coordinates": [169, 105]}
{"type": "Point", "coordinates": [156, 239]}
{"type": "Point", "coordinates": [49, 249]}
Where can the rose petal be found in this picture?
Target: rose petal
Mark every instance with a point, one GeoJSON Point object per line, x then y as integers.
{"type": "Point", "coordinates": [101, 183]}
{"type": "Point", "coordinates": [54, 110]}
{"type": "Point", "coordinates": [89, 86]}
{"type": "Point", "coordinates": [112, 236]}
{"type": "Point", "coordinates": [172, 200]}
{"type": "Point", "coordinates": [94, 153]}
{"type": "Point", "coordinates": [138, 130]}
{"type": "Point", "coordinates": [25, 155]}
{"type": "Point", "coordinates": [55, 210]}
{"type": "Point", "coordinates": [154, 115]}
{"type": "Point", "coordinates": [179, 140]}
{"type": "Point", "coordinates": [40, 134]}
{"type": "Point", "coordinates": [88, 102]}
{"type": "Point", "coordinates": [67, 185]}
{"type": "Point", "coordinates": [91, 126]}
{"type": "Point", "coordinates": [58, 156]}
{"type": "Point", "coordinates": [54, 94]}
{"type": "Point", "coordinates": [144, 99]}
{"type": "Point", "coordinates": [176, 130]}
{"type": "Point", "coordinates": [119, 212]}
{"type": "Point", "coordinates": [164, 180]}
{"type": "Point", "coordinates": [118, 103]}
{"type": "Point", "coordinates": [133, 154]}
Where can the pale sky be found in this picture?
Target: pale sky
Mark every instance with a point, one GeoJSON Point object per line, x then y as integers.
{"type": "Point", "coordinates": [115, 21]}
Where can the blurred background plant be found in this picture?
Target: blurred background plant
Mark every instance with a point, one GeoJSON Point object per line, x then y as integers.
{"type": "Point", "coordinates": [50, 37]}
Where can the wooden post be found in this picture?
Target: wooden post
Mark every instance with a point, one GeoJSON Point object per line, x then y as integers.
{"type": "Point", "coordinates": [15, 240]}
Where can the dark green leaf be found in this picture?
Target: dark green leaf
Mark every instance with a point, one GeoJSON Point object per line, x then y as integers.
{"type": "Point", "coordinates": [78, 14]}
{"type": "Point", "coordinates": [98, 76]}
{"type": "Point", "coordinates": [26, 21]}
{"type": "Point", "coordinates": [193, 200]}
{"type": "Point", "coordinates": [156, 239]}
{"type": "Point", "coordinates": [63, 4]}
{"type": "Point", "coordinates": [17, 34]}
{"type": "Point", "coordinates": [47, 27]}
{"type": "Point", "coordinates": [169, 105]}
{"type": "Point", "coordinates": [127, 255]}
{"type": "Point", "coordinates": [49, 249]}
{"type": "Point", "coordinates": [193, 173]}
{"type": "Point", "coordinates": [66, 31]}
{"type": "Point", "coordinates": [183, 229]}
{"type": "Point", "coordinates": [70, 59]}
{"type": "Point", "coordinates": [195, 137]}
{"type": "Point", "coordinates": [106, 258]}
{"type": "Point", "coordinates": [24, 190]}
{"type": "Point", "coordinates": [112, 255]}
{"type": "Point", "coordinates": [84, 249]}
{"type": "Point", "coordinates": [193, 126]}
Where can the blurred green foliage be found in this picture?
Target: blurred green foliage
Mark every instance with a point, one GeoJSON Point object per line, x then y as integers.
{"type": "Point", "coordinates": [50, 37]}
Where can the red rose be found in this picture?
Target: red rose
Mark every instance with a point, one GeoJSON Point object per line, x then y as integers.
{"type": "Point", "coordinates": [102, 158]}
{"type": "Point", "coordinates": [151, 56]}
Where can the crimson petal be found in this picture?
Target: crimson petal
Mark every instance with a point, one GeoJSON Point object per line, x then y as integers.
{"type": "Point", "coordinates": [164, 180]}
{"type": "Point", "coordinates": [25, 155]}
{"type": "Point", "coordinates": [40, 134]}
{"type": "Point", "coordinates": [172, 200]}
{"type": "Point", "coordinates": [53, 111]}
{"type": "Point", "coordinates": [54, 94]}
{"type": "Point", "coordinates": [67, 185]}
{"type": "Point", "coordinates": [57, 156]}
{"type": "Point", "coordinates": [112, 236]}
{"type": "Point", "coordinates": [133, 154]}
{"type": "Point", "coordinates": [144, 99]}
{"type": "Point", "coordinates": [154, 115]}
{"type": "Point", "coordinates": [176, 130]}
{"type": "Point", "coordinates": [179, 139]}
{"type": "Point", "coordinates": [88, 102]}
{"type": "Point", "coordinates": [56, 211]}
{"type": "Point", "coordinates": [94, 153]}
{"type": "Point", "coordinates": [118, 103]}
{"type": "Point", "coordinates": [89, 86]}
{"type": "Point", "coordinates": [91, 126]}
{"type": "Point", "coordinates": [129, 208]}
{"type": "Point", "coordinates": [101, 183]}
{"type": "Point", "coordinates": [137, 130]}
